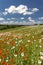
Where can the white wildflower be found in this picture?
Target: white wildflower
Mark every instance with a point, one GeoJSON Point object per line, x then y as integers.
{"type": "Point", "coordinates": [39, 62]}
{"type": "Point", "coordinates": [7, 57]}
{"type": "Point", "coordinates": [7, 60]}
{"type": "Point", "coordinates": [13, 47]}
{"type": "Point", "coordinates": [15, 55]}
{"type": "Point", "coordinates": [22, 54]}
{"type": "Point", "coordinates": [41, 53]}
{"type": "Point", "coordinates": [16, 42]}
{"type": "Point", "coordinates": [40, 40]}
{"type": "Point", "coordinates": [28, 41]}
{"type": "Point", "coordinates": [40, 46]}
{"type": "Point", "coordinates": [35, 40]}
{"type": "Point", "coordinates": [32, 60]}
{"type": "Point", "coordinates": [27, 35]}
{"type": "Point", "coordinates": [41, 57]}
{"type": "Point", "coordinates": [0, 59]}
{"type": "Point", "coordinates": [20, 41]}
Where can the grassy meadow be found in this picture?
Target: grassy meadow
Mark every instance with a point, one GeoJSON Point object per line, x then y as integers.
{"type": "Point", "coordinates": [22, 45]}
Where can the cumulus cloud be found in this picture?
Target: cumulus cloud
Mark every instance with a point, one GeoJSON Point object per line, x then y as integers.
{"type": "Point", "coordinates": [21, 9]}
{"type": "Point", "coordinates": [35, 9]}
{"type": "Point", "coordinates": [41, 18]}
{"type": "Point", "coordinates": [16, 22]}
{"type": "Point", "coordinates": [5, 13]}
{"type": "Point", "coordinates": [11, 9]}
{"type": "Point", "coordinates": [31, 20]}
{"type": "Point", "coordinates": [22, 18]}
{"type": "Point", "coordinates": [22, 21]}
{"type": "Point", "coordinates": [28, 13]}
{"type": "Point", "coordinates": [7, 22]}
{"type": "Point", "coordinates": [1, 19]}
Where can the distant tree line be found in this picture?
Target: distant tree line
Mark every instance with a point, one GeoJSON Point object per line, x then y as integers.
{"type": "Point", "coordinates": [2, 27]}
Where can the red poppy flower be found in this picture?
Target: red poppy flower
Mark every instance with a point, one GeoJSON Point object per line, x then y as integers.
{"type": "Point", "coordinates": [5, 63]}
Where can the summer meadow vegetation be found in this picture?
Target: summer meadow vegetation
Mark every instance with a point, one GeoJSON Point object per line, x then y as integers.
{"type": "Point", "coordinates": [22, 46]}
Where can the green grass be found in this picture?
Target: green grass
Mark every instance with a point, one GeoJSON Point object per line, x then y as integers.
{"type": "Point", "coordinates": [22, 46]}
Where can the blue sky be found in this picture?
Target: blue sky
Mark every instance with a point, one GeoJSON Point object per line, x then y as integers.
{"type": "Point", "coordinates": [21, 12]}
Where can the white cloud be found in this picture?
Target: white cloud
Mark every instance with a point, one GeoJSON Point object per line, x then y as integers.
{"type": "Point", "coordinates": [27, 13]}
{"type": "Point", "coordinates": [31, 20]}
{"type": "Point", "coordinates": [10, 9]}
{"type": "Point", "coordinates": [22, 18]}
{"type": "Point", "coordinates": [21, 9]}
{"type": "Point", "coordinates": [35, 9]}
{"type": "Point", "coordinates": [1, 19]}
{"type": "Point", "coordinates": [41, 18]}
{"type": "Point", "coordinates": [19, 22]}
{"type": "Point", "coordinates": [22, 21]}
{"type": "Point", "coordinates": [13, 18]}
{"type": "Point", "coordinates": [8, 19]}
{"type": "Point", "coordinates": [7, 22]}
{"type": "Point", "coordinates": [5, 13]}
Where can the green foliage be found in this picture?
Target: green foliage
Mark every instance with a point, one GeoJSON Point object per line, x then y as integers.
{"type": "Point", "coordinates": [25, 40]}
{"type": "Point", "coordinates": [42, 33]}
{"type": "Point", "coordinates": [2, 27]}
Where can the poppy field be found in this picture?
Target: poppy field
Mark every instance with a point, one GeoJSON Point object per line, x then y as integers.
{"type": "Point", "coordinates": [22, 46]}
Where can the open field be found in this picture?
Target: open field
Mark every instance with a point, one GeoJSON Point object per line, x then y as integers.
{"type": "Point", "coordinates": [22, 46]}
